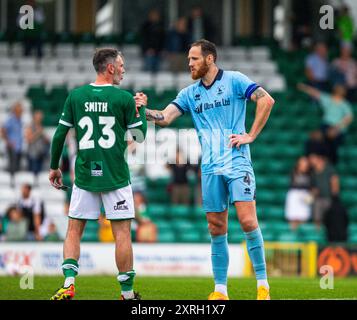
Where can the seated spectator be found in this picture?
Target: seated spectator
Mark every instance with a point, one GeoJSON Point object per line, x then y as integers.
{"type": "Point", "coordinates": [299, 197]}
{"type": "Point", "coordinates": [180, 190]}
{"type": "Point", "coordinates": [145, 230]}
{"type": "Point", "coordinates": [16, 226]}
{"type": "Point", "coordinates": [345, 72]}
{"type": "Point", "coordinates": [178, 41]}
{"type": "Point", "coordinates": [33, 211]}
{"type": "Point", "coordinates": [317, 67]}
{"type": "Point", "coordinates": [37, 142]}
{"type": "Point", "coordinates": [337, 116]}
{"type": "Point", "coordinates": [325, 186]}
{"type": "Point", "coordinates": [51, 234]}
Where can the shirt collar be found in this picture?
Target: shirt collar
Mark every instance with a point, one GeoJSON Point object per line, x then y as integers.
{"type": "Point", "coordinates": [101, 85]}
{"type": "Point", "coordinates": [218, 77]}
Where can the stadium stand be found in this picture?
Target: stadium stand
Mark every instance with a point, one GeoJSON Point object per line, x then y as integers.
{"type": "Point", "coordinates": [45, 84]}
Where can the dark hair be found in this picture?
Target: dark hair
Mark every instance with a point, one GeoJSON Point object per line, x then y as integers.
{"type": "Point", "coordinates": [207, 48]}
{"type": "Point", "coordinates": [27, 186]}
{"type": "Point", "coordinates": [104, 56]}
{"type": "Point", "coordinates": [11, 208]}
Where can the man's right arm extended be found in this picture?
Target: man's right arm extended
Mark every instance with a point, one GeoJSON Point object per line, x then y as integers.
{"type": "Point", "coordinates": [161, 118]}
{"type": "Point", "coordinates": [165, 117]}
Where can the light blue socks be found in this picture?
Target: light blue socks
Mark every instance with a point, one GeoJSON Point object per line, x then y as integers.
{"type": "Point", "coordinates": [220, 259]}
{"type": "Point", "coordinates": [255, 248]}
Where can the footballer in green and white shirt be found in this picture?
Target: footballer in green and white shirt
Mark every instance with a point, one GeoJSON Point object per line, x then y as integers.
{"type": "Point", "coordinates": [100, 114]}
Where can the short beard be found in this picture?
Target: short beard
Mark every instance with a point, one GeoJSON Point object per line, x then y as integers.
{"type": "Point", "coordinates": [201, 72]}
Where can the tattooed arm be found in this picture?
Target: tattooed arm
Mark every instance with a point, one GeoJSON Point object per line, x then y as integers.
{"type": "Point", "coordinates": [264, 105]}
{"type": "Point", "coordinates": [165, 117]}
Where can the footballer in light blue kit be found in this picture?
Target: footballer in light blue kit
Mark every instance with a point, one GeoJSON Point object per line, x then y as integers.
{"type": "Point", "coordinates": [217, 104]}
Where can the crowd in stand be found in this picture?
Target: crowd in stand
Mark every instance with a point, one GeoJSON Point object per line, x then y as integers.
{"type": "Point", "coordinates": [158, 43]}
{"type": "Point", "coordinates": [315, 184]}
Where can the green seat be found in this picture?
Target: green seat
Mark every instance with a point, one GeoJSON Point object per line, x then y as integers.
{"type": "Point", "coordinates": [201, 225]}
{"type": "Point", "coordinates": [198, 213]}
{"type": "Point", "coordinates": [236, 237]}
{"type": "Point", "coordinates": [352, 238]}
{"type": "Point", "coordinates": [234, 226]}
{"type": "Point", "coordinates": [180, 211]}
{"type": "Point", "coordinates": [349, 199]}
{"type": "Point", "coordinates": [316, 237]}
{"type": "Point", "coordinates": [90, 233]}
{"type": "Point", "coordinates": [278, 227]}
{"type": "Point", "coordinates": [269, 236]}
{"type": "Point", "coordinates": [37, 93]}
{"type": "Point", "coordinates": [205, 236]}
{"type": "Point", "coordinates": [182, 225]}
{"type": "Point", "coordinates": [274, 213]}
{"type": "Point", "coordinates": [288, 237]}
{"type": "Point", "coordinates": [167, 236]}
{"type": "Point", "coordinates": [307, 228]}
{"type": "Point", "coordinates": [189, 236]}
{"type": "Point", "coordinates": [262, 181]}
{"type": "Point", "coordinates": [157, 211]}
{"type": "Point", "coordinates": [90, 237]}
{"type": "Point", "coordinates": [158, 183]}
{"type": "Point", "coordinates": [309, 232]}
{"type": "Point", "coordinates": [352, 229]}
{"type": "Point", "coordinates": [348, 183]}
{"type": "Point", "coordinates": [235, 232]}
{"type": "Point", "coordinates": [163, 225]}
{"type": "Point", "coordinates": [353, 213]}
{"type": "Point", "coordinates": [157, 195]}
{"type": "Point", "coordinates": [265, 195]}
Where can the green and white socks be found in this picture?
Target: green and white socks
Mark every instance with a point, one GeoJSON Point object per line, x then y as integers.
{"type": "Point", "coordinates": [70, 271]}
{"type": "Point", "coordinates": [126, 281]}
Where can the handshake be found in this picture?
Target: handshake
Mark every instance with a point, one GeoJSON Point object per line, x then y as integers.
{"type": "Point", "coordinates": [141, 99]}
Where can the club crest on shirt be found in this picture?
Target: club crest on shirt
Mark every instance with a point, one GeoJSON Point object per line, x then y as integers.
{"type": "Point", "coordinates": [220, 89]}
{"type": "Point", "coordinates": [96, 168]}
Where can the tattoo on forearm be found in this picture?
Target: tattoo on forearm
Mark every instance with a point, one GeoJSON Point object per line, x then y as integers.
{"type": "Point", "coordinates": [154, 115]}
{"type": "Point", "coordinates": [259, 93]}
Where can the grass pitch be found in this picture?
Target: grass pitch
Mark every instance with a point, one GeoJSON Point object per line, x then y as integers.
{"type": "Point", "coordinates": [178, 288]}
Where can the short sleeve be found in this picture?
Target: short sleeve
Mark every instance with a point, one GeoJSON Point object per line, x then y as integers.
{"type": "Point", "coordinates": [67, 114]}
{"type": "Point", "coordinates": [325, 101]}
{"type": "Point", "coordinates": [347, 109]}
{"type": "Point", "coordinates": [243, 86]}
{"type": "Point", "coordinates": [181, 101]}
{"type": "Point", "coordinates": [132, 118]}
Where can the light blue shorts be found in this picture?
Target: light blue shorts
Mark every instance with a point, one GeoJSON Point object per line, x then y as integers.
{"type": "Point", "coordinates": [218, 190]}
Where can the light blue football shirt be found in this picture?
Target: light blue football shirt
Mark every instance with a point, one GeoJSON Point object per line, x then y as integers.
{"type": "Point", "coordinates": [218, 111]}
